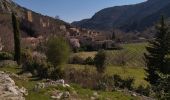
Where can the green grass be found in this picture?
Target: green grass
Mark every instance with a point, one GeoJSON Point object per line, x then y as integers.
{"type": "Point", "coordinates": [133, 47]}
{"type": "Point", "coordinates": [85, 94]}
{"type": "Point", "coordinates": [134, 67]}
{"type": "Point", "coordinates": [138, 73]}
{"type": "Point", "coordinates": [125, 72]}
{"type": "Point", "coordinates": [44, 94]}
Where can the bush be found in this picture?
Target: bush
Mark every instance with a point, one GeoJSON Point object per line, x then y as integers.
{"type": "Point", "coordinates": [127, 83]}
{"type": "Point", "coordinates": [6, 56]}
{"type": "Point", "coordinates": [123, 83]}
{"type": "Point", "coordinates": [105, 83]}
{"type": "Point", "coordinates": [86, 78]}
{"type": "Point", "coordinates": [143, 90]}
{"type": "Point", "coordinates": [56, 74]}
{"type": "Point", "coordinates": [100, 61]}
{"type": "Point", "coordinates": [37, 64]}
{"type": "Point", "coordinates": [89, 61]}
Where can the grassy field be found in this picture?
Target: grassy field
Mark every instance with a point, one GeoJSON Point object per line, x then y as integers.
{"type": "Point", "coordinates": [137, 73]}
{"type": "Point", "coordinates": [134, 67]}
{"type": "Point", "coordinates": [136, 48]}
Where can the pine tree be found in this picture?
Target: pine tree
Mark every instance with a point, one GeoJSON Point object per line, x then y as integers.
{"type": "Point", "coordinates": [15, 23]}
{"type": "Point", "coordinates": [157, 56]}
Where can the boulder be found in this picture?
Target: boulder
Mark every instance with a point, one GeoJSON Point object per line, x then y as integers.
{"type": "Point", "coordinates": [66, 95]}
{"type": "Point", "coordinates": [8, 89]}
{"type": "Point", "coordinates": [24, 91]}
{"type": "Point", "coordinates": [57, 95]}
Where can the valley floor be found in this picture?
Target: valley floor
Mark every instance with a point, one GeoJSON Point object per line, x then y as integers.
{"type": "Point", "coordinates": [76, 91]}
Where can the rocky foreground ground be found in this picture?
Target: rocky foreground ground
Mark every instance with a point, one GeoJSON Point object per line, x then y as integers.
{"type": "Point", "coordinates": [8, 89]}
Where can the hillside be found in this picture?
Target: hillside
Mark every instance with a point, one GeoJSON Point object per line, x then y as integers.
{"type": "Point", "coordinates": [34, 27]}
{"type": "Point", "coordinates": [128, 17]}
{"type": "Point", "coordinates": [32, 24]}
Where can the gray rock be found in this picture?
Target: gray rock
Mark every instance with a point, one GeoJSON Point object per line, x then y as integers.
{"type": "Point", "coordinates": [66, 95]}
{"type": "Point", "coordinates": [8, 89]}
{"type": "Point", "coordinates": [57, 95]}
{"type": "Point", "coordinates": [24, 91]}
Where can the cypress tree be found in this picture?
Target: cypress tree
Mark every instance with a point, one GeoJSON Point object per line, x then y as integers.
{"type": "Point", "coordinates": [113, 36]}
{"type": "Point", "coordinates": [15, 23]}
{"type": "Point", "coordinates": [157, 53]}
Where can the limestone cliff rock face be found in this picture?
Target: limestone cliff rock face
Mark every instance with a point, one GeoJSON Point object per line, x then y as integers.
{"type": "Point", "coordinates": [8, 89]}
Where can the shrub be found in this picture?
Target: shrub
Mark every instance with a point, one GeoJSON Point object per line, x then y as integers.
{"type": "Point", "coordinates": [6, 56]}
{"type": "Point", "coordinates": [127, 83]}
{"type": "Point", "coordinates": [89, 61]}
{"type": "Point", "coordinates": [56, 73]}
{"type": "Point", "coordinates": [34, 62]}
{"type": "Point", "coordinates": [86, 78]}
{"type": "Point", "coordinates": [143, 90]}
{"type": "Point", "coordinates": [123, 83]}
{"type": "Point", "coordinates": [105, 83]}
{"type": "Point", "coordinates": [117, 81]}
{"type": "Point", "coordinates": [100, 61]}
{"type": "Point", "coordinates": [101, 86]}
{"type": "Point", "coordinates": [57, 51]}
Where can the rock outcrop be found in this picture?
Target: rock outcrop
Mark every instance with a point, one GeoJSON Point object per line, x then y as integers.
{"type": "Point", "coordinates": [8, 89]}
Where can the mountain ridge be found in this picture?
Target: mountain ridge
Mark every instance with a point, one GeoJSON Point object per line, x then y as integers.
{"type": "Point", "coordinates": [119, 16]}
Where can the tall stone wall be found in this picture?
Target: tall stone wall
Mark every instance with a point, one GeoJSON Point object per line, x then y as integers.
{"type": "Point", "coordinates": [29, 16]}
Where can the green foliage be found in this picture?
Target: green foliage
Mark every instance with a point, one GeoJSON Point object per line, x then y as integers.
{"type": "Point", "coordinates": [17, 36]}
{"type": "Point", "coordinates": [6, 56]}
{"type": "Point", "coordinates": [57, 51]}
{"type": "Point", "coordinates": [158, 51]}
{"type": "Point", "coordinates": [100, 61]}
{"type": "Point", "coordinates": [123, 83]}
{"type": "Point", "coordinates": [162, 89]}
{"type": "Point", "coordinates": [143, 90]}
{"type": "Point", "coordinates": [89, 61]}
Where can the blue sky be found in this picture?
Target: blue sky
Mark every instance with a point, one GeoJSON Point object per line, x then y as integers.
{"type": "Point", "coordinates": [72, 10]}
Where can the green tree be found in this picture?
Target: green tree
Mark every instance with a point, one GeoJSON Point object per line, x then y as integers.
{"type": "Point", "coordinates": [15, 23]}
{"type": "Point", "coordinates": [157, 53]}
{"type": "Point", "coordinates": [100, 61]}
{"type": "Point", "coordinates": [58, 51]}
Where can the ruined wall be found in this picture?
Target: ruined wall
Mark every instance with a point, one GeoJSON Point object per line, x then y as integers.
{"type": "Point", "coordinates": [29, 16]}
